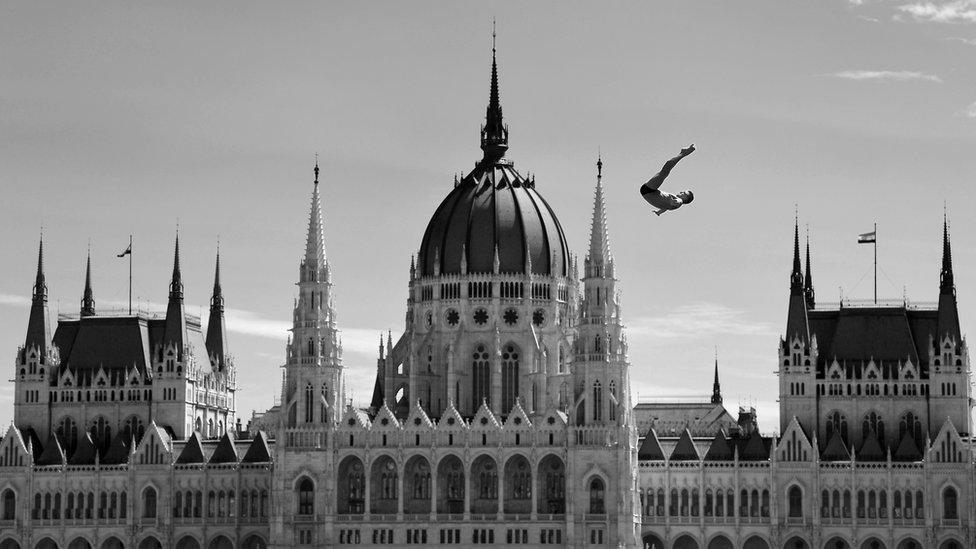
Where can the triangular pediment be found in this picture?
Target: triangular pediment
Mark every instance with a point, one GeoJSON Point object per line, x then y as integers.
{"type": "Point", "coordinates": [225, 452]}
{"type": "Point", "coordinates": [685, 449]}
{"type": "Point", "coordinates": [418, 418]}
{"type": "Point", "coordinates": [354, 418]}
{"type": "Point", "coordinates": [258, 451]}
{"type": "Point", "coordinates": [720, 449]}
{"type": "Point", "coordinates": [871, 449]}
{"type": "Point", "coordinates": [385, 420]}
{"type": "Point", "coordinates": [793, 445]}
{"type": "Point", "coordinates": [517, 418]}
{"type": "Point", "coordinates": [754, 448]}
{"type": "Point", "coordinates": [836, 450]}
{"type": "Point", "coordinates": [948, 446]}
{"type": "Point", "coordinates": [13, 449]}
{"type": "Point", "coordinates": [192, 451]}
{"type": "Point", "coordinates": [484, 419]}
{"type": "Point", "coordinates": [451, 419]}
{"type": "Point", "coordinates": [650, 448]}
{"type": "Point", "coordinates": [52, 454]}
{"type": "Point", "coordinates": [85, 451]}
{"type": "Point", "coordinates": [155, 448]}
{"type": "Point", "coordinates": [907, 449]}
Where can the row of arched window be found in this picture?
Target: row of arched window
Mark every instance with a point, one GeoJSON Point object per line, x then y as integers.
{"type": "Point", "coordinates": [872, 422]}
{"type": "Point", "coordinates": [220, 503]}
{"type": "Point", "coordinates": [717, 503]}
{"type": "Point", "coordinates": [80, 505]}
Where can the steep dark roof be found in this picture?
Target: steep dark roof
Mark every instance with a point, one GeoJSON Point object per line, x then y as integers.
{"type": "Point", "coordinates": [258, 451]}
{"type": "Point", "coordinates": [225, 452]}
{"type": "Point", "coordinates": [871, 449]}
{"type": "Point", "coordinates": [32, 441]}
{"type": "Point", "coordinates": [52, 454]}
{"type": "Point", "coordinates": [118, 451]}
{"type": "Point", "coordinates": [192, 451]}
{"type": "Point", "coordinates": [117, 342]}
{"type": "Point", "coordinates": [85, 452]}
{"type": "Point", "coordinates": [650, 448]}
{"type": "Point", "coordinates": [835, 450]}
{"type": "Point", "coordinates": [754, 448]}
{"type": "Point", "coordinates": [907, 449]}
{"type": "Point", "coordinates": [720, 449]}
{"type": "Point", "coordinates": [685, 449]}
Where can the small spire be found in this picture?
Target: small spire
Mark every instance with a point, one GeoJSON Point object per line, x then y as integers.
{"type": "Point", "coordinates": [88, 298]}
{"type": "Point", "coordinates": [40, 284]}
{"type": "Point", "coordinates": [716, 387]}
{"type": "Point", "coordinates": [599, 251]}
{"type": "Point", "coordinates": [494, 134]}
{"type": "Point", "coordinates": [176, 283]}
{"type": "Point", "coordinates": [947, 282]}
{"type": "Point", "coordinates": [808, 278]}
{"type": "Point", "coordinates": [175, 325]}
{"type": "Point", "coordinates": [216, 341]}
{"type": "Point", "coordinates": [796, 277]}
{"type": "Point", "coordinates": [316, 168]}
{"type": "Point", "coordinates": [314, 260]}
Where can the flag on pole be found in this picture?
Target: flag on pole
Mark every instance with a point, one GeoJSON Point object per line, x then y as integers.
{"type": "Point", "coordinates": [128, 251]}
{"type": "Point", "coordinates": [867, 238]}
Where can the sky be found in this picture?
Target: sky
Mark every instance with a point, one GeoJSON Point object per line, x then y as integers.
{"type": "Point", "coordinates": [121, 118]}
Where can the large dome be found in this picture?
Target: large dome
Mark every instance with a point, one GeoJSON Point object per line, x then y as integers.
{"type": "Point", "coordinates": [494, 207]}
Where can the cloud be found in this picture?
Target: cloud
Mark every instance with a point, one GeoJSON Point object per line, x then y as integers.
{"type": "Point", "coordinates": [697, 320]}
{"type": "Point", "coordinates": [967, 41]}
{"type": "Point", "coordinates": [869, 19]}
{"type": "Point", "coordinates": [970, 111]}
{"type": "Point", "coordinates": [886, 76]}
{"type": "Point", "coordinates": [14, 300]}
{"type": "Point", "coordinates": [952, 11]}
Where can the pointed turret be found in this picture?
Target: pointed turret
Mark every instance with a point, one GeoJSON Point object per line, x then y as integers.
{"type": "Point", "coordinates": [494, 134]}
{"type": "Point", "coordinates": [314, 264]}
{"type": "Point", "coordinates": [88, 299]}
{"type": "Point", "coordinates": [216, 331]}
{"type": "Point", "coordinates": [39, 323]}
{"type": "Point", "coordinates": [599, 251]}
{"type": "Point", "coordinates": [808, 279]}
{"type": "Point", "coordinates": [716, 387]}
{"type": "Point", "coordinates": [796, 321]}
{"type": "Point", "coordinates": [175, 332]}
{"type": "Point", "coordinates": [948, 312]}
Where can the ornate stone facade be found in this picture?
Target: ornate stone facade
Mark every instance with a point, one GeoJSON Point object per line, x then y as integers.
{"type": "Point", "coordinates": [501, 416]}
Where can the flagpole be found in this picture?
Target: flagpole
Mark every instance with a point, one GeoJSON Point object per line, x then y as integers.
{"type": "Point", "coordinates": [130, 275]}
{"type": "Point", "coordinates": [876, 263]}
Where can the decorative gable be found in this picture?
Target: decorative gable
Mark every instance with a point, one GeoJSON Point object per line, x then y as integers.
{"type": "Point", "coordinates": [258, 451]}
{"type": "Point", "coordinates": [794, 445]}
{"type": "Point", "coordinates": [650, 448]}
{"type": "Point", "coordinates": [720, 449]}
{"type": "Point", "coordinates": [13, 450]}
{"type": "Point", "coordinates": [155, 448]}
{"type": "Point", "coordinates": [948, 446]}
{"type": "Point", "coordinates": [192, 451]}
{"type": "Point", "coordinates": [836, 450]}
{"type": "Point", "coordinates": [685, 449]}
{"type": "Point", "coordinates": [53, 454]}
{"type": "Point", "coordinates": [85, 452]}
{"type": "Point", "coordinates": [225, 452]}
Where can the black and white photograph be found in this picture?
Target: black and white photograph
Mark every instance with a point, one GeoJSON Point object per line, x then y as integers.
{"type": "Point", "coordinates": [663, 274]}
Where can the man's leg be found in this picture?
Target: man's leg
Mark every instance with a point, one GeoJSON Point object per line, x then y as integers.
{"type": "Point", "coordinates": [655, 182]}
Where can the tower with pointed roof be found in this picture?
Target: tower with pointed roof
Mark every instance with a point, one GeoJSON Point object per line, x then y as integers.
{"type": "Point", "coordinates": [798, 350]}
{"type": "Point", "coordinates": [314, 388]}
{"type": "Point", "coordinates": [88, 297]}
{"type": "Point", "coordinates": [716, 386]}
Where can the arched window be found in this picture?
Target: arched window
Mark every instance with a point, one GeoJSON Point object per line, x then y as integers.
{"type": "Point", "coordinates": [9, 504]}
{"type": "Point", "coordinates": [323, 407]}
{"type": "Point", "coordinates": [950, 507]}
{"type": "Point", "coordinates": [481, 378]}
{"type": "Point", "coordinates": [597, 401]}
{"type": "Point", "coordinates": [149, 503]}
{"type": "Point", "coordinates": [309, 403]}
{"type": "Point", "coordinates": [873, 423]}
{"type": "Point", "coordinates": [510, 377]}
{"type": "Point", "coordinates": [68, 434]}
{"type": "Point", "coordinates": [210, 428]}
{"type": "Point", "coordinates": [910, 423]}
{"type": "Point", "coordinates": [306, 497]}
{"type": "Point", "coordinates": [101, 433]}
{"type": "Point", "coordinates": [597, 490]}
{"type": "Point", "coordinates": [613, 399]}
{"type": "Point", "coordinates": [837, 422]}
{"type": "Point", "coordinates": [311, 346]}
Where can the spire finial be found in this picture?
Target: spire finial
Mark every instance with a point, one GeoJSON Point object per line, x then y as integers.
{"type": "Point", "coordinates": [316, 168]}
{"type": "Point", "coordinates": [599, 164]}
{"type": "Point", "coordinates": [808, 278]}
{"type": "Point", "coordinates": [494, 134]}
{"type": "Point", "coordinates": [947, 283]}
{"type": "Point", "coordinates": [716, 387]}
{"type": "Point", "coordinates": [40, 286]}
{"type": "Point", "coordinates": [796, 277]}
{"type": "Point", "coordinates": [88, 298]}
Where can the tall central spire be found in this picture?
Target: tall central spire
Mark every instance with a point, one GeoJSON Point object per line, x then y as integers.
{"type": "Point", "coordinates": [175, 330]}
{"type": "Point", "coordinates": [599, 252]}
{"type": "Point", "coordinates": [314, 260]}
{"type": "Point", "coordinates": [494, 134]}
